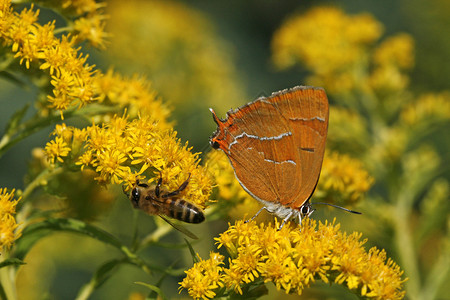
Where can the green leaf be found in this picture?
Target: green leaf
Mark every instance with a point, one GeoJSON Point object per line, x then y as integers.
{"type": "Point", "coordinates": [13, 78]}
{"type": "Point", "coordinates": [195, 258]}
{"type": "Point", "coordinates": [36, 231]}
{"type": "Point", "coordinates": [100, 276]}
{"type": "Point", "coordinates": [180, 228]}
{"type": "Point", "coordinates": [11, 261]}
{"type": "Point", "coordinates": [105, 271]}
{"type": "Point", "coordinates": [154, 289]}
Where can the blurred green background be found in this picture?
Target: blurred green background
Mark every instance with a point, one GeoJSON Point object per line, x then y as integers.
{"type": "Point", "coordinates": [218, 54]}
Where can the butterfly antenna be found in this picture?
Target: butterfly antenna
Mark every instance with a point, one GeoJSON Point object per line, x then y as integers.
{"type": "Point", "coordinates": [340, 207]}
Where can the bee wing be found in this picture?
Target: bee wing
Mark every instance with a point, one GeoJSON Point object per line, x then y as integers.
{"type": "Point", "coordinates": [180, 228]}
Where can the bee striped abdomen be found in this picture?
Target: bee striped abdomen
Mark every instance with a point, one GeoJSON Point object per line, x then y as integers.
{"type": "Point", "coordinates": [184, 211]}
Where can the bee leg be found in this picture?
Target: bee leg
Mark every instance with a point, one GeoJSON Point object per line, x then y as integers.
{"type": "Point", "coordinates": [158, 185]}
{"type": "Point", "coordinates": [179, 189]}
{"type": "Point", "coordinates": [141, 184]}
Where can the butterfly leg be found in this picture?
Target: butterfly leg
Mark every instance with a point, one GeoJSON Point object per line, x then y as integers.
{"type": "Point", "coordinates": [259, 211]}
{"type": "Point", "coordinates": [300, 221]}
{"type": "Point", "coordinates": [286, 219]}
{"type": "Point", "coordinates": [179, 189]}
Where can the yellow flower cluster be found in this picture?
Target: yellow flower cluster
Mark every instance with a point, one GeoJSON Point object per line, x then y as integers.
{"type": "Point", "coordinates": [428, 108]}
{"type": "Point", "coordinates": [122, 150]}
{"type": "Point", "coordinates": [397, 50]}
{"type": "Point", "coordinates": [135, 93]}
{"type": "Point", "coordinates": [8, 225]}
{"type": "Point", "coordinates": [347, 131]}
{"type": "Point", "coordinates": [36, 45]}
{"type": "Point", "coordinates": [339, 51]}
{"type": "Point", "coordinates": [292, 259]}
{"type": "Point", "coordinates": [204, 277]}
{"type": "Point", "coordinates": [194, 60]}
{"type": "Point", "coordinates": [343, 180]}
{"type": "Point", "coordinates": [390, 58]}
{"type": "Point", "coordinates": [91, 25]}
{"type": "Point", "coordinates": [326, 39]}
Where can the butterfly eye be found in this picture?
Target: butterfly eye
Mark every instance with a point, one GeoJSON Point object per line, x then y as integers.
{"type": "Point", "coordinates": [214, 144]}
{"type": "Point", "coordinates": [305, 210]}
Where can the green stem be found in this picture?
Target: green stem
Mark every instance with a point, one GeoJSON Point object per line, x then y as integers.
{"type": "Point", "coordinates": [155, 235]}
{"type": "Point", "coordinates": [26, 129]}
{"type": "Point", "coordinates": [7, 275]}
{"type": "Point", "coordinates": [44, 176]}
{"type": "Point", "coordinates": [37, 123]}
{"type": "Point", "coordinates": [405, 246]}
{"type": "Point", "coordinates": [439, 273]}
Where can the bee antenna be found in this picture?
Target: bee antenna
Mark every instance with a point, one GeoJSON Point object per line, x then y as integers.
{"type": "Point", "coordinates": [340, 207]}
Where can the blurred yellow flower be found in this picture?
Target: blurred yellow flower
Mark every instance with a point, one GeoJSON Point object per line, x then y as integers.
{"type": "Point", "coordinates": [397, 50]}
{"type": "Point", "coordinates": [390, 147]}
{"type": "Point", "coordinates": [134, 93]}
{"type": "Point", "coordinates": [82, 6]}
{"type": "Point", "coordinates": [387, 79]}
{"type": "Point", "coordinates": [92, 29]}
{"type": "Point", "coordinates": [179, 49]}
{"type": "Point", "coordinates": [8, 226]}
{"type": "Point", "coordinates": [325, 39]}
{"type": "Point", "coordinates": [343, 180]}
{"type": "Point", "coordinates": [347, 131]}
{"type": "Point", "coordinates": [428, 108]}
{"type": "Point", "coordinates": [293, 259]}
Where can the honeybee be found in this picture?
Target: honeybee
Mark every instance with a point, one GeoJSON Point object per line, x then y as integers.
{"type": "Point", "coordinates": [157, 200]}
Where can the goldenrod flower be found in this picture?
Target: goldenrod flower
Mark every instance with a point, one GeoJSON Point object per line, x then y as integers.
{"type": "Point", "coordinates": [325, 39]}
{"type": "Point", "coordinates": [391, 58]}
{"type": "Point", "coordinates": [390, 147]}
{"type": "Point", "coordinates": [135, 93]}
{"type": "Point", "coordinates": [8, 225]}
{"type": "Point", "coordinates": [387, 79]}
{"type": "Point", "coordinates": [429, 108]}
{"type": "Point", "coordinates": [121, 150]}
{"type": "Point", "coordinates": [57, 149]}
{"type": "Point", "coordinates": [92, 28]}
{"type": "Point", "coordinates": [204, 277]}
{"type": "Point", "coordinates": [82, 6]}
{"type": "Point", "coordinates": [397, 50]}
{"type": "Point", "coordinates": [347, 131]}
{"type": "Point", "coordinates": [71, 76]}
{"type": "Point", "coordinates": [343, 180]}
{"type": "Point", "coordinates": [153, 30]}
{"type": "Point", "coordinates": [293, 258]}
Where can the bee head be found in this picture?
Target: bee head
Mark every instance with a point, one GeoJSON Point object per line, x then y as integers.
{"type": "Point", "coordinates": [135, 196]}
